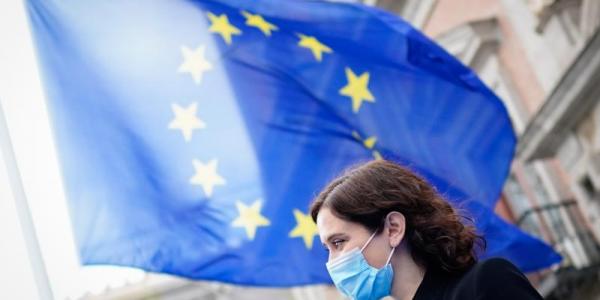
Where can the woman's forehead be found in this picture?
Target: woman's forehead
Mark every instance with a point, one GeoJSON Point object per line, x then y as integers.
{"type": "Point", "coordinates": [328, 223]}
{"type": "Point", "coordinates": [326, 219]}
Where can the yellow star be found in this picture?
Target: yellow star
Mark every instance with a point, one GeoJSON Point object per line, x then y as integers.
{"type": "Point", "coordinates": [305, 228]}
{"type": "Point", "coordinates": [220, 24]}
{"type": "Point", "coordinates": [259, 22]}
{"type": "Point", "coordinates": [194, 63]}
{"type": "Point", "coordinates": [186, 120]}
{"type": "Point", "coordinates": [377, 155]}
{"type": "Point", "coordinates": [369, 143]}
{"type": "Point", "coordinates": [317, 48]}
{"type": "Point", "coordinates": [357, 89]}
{"type": "Point", "coordinates": [206, 176]}
{"type": "Point", "coordinates": [250, 218]}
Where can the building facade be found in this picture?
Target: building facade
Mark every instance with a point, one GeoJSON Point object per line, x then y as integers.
{"type": "Point", "coordinates": [541, 58]}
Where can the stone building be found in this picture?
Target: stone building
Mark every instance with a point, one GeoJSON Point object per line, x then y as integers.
{"type": "Point", "coordinates": [541, 57]}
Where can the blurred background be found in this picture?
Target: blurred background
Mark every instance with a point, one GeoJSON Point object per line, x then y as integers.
{"type": "Point", "coordinates": [541, 58]}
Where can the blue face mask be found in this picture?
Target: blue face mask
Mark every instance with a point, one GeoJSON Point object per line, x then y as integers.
{"type": "Point", "coordinates": [355, 278]}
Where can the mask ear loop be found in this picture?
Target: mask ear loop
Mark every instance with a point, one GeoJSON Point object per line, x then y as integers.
{"type": "Point", "coordinates": [368, 241]}
{"type": "Point", "coordinates": [390, 257]}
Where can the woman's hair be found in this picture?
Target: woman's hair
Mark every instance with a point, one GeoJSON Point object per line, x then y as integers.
{"type": "Point", "coordinates": [436, 234]}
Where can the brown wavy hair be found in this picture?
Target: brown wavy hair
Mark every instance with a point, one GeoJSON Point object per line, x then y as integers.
{"type": "Point", "coordinates": [438, 236]}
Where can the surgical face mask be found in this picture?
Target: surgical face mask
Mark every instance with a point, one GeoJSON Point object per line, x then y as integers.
{"type": "Point", "coordinates": [355, 278]}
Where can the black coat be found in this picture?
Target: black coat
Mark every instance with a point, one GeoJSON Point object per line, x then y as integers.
{"type": "Point", "coordinates": [495, 278]}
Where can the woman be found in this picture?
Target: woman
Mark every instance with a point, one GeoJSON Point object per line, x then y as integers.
{"type": "Point", "coordinates": [389, 233]}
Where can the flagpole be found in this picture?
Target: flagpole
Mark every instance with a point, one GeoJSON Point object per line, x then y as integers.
{"type": "Point", "coordinates": [24, 220]}
{"type": "Point", "coordinates": [34, 215]}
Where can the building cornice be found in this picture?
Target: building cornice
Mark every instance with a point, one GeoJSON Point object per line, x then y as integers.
{"type": "Point", "coordinates": [571, 99]}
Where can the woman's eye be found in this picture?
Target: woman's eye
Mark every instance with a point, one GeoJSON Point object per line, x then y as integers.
{"type": "Point", "coordinates": [337, 243]}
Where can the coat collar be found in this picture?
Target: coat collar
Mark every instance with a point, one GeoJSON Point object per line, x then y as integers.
{"type": "Point", "coordinates": [433, 286]}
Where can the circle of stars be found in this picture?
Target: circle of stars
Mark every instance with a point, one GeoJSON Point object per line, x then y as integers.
{"type": "Point", "coordinates": [185, 119]}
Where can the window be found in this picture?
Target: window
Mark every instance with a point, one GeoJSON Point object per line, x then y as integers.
{"type": "Point", "coordinates": [588, 188]}
{"type": "Point", "coordinates": [517, 199]}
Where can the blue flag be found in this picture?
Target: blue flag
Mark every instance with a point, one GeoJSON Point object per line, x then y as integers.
{"type": "Point", "coordinates": [193, 134]}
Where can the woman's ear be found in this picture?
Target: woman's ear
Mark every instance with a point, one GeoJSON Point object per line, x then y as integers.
{"type": "Point", "coordinates": [396, 225]}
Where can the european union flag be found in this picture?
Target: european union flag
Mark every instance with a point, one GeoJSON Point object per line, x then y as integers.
{"type": "Point", "coordinates": [193, 134]}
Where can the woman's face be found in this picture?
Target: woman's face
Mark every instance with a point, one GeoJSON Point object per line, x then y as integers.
{"type": "Point", "coordinates": [340, 236]}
